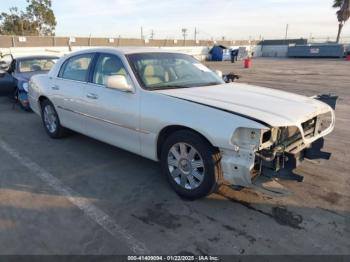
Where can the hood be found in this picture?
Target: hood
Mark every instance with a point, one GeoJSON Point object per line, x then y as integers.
{"type": "Point", "coordinates": [270, 106]}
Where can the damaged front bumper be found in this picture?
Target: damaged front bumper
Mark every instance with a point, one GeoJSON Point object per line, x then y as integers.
{"type": "Point", "coordinates": [280, 150]}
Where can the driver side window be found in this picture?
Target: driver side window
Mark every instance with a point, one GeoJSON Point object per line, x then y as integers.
{"type": "Point", "coordinates": [107, 65]}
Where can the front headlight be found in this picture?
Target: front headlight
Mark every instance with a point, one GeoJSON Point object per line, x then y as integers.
{"type": "Point", "coordinates": [25, 86]}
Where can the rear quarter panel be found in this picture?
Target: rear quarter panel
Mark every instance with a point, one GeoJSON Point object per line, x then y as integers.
{"type": "Point", "coordinates": [38, 87]}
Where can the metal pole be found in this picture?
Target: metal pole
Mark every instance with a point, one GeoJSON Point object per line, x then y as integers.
{"type": "Point", "coordinates": [184, 33]}
{"type": "Point", "coordinates": [286, 32]}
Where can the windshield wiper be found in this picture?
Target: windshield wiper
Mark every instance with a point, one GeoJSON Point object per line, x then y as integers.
{"type": "Point", "coordinates": [167, 87]}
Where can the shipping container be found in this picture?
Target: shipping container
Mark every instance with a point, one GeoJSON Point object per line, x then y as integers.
{"type": "Point", "coordinates": [322, 50]}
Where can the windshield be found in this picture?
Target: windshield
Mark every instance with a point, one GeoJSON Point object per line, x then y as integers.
{"type": "Point", "coordinates": [38, 64]}
{"type": "Point", "coordinates": [170, 70]}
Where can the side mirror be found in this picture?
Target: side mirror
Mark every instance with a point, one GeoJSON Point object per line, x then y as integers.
{"type": "Point", "coordinates": [118, 82]}
{"type": "Point", "coordinates": [219, 73]}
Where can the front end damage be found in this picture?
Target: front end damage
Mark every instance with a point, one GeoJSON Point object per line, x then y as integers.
{"type": "Point", "coordinates": [275, 151]}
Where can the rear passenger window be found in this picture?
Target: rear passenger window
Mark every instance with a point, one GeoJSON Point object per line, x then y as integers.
{"type": "Point", "coordinates": [77, 67]}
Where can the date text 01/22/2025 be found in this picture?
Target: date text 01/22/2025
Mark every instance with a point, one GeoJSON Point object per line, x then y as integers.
{"type": "Point", "coordinates": [173, 258]}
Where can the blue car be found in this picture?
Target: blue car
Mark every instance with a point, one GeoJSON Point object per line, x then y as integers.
{"type": "Point", "coordinates": [16, 72]}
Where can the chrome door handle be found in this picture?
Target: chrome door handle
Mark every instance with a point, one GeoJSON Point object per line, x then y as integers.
{"type": "Point", "coordinates": [55, 87]}
{"type": "Point", "coordinates": [92, 96]}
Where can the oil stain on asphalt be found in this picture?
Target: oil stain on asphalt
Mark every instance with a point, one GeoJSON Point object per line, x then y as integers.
{"type": "Point", "coordinates": [287, 218]}
{"type": "Point", "coordinates": [237, 231]}
{"type": "Point", "coordinates": [158, 215]}
{"type": "Point", "coordinates": [280, 214]}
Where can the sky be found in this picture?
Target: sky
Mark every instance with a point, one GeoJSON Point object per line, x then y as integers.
{"type": "Point", "coordinates": [232, 19]}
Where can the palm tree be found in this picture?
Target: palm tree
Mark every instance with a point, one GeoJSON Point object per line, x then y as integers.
{"type": "Point", "coordinates": [343, 14]}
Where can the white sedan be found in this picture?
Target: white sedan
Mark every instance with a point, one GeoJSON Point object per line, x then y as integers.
{"type": "Point", "coordinates": [169, 107]}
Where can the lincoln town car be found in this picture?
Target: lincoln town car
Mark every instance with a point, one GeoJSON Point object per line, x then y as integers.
{"type": "Point", "coordinates": [169, 107]}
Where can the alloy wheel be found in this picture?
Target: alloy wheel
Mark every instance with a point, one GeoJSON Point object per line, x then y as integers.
{"type": "Point", "coordinates": [186, 166]}
{"type": "Point", "coordinates": [50, 118]}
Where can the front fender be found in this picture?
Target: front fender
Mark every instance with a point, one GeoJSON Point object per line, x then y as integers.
{"type": "Point", "coordinates": [158, 111]}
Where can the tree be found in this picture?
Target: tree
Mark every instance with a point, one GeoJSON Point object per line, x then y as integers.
{"type": "Point", "coordinates": [41, 14]}
{"type": "Point", "coordinates": [15, 23]}
{"type": "Point", "coordinates": [38, 19]}
{"type": "Point", "coordinates": [343, 14]}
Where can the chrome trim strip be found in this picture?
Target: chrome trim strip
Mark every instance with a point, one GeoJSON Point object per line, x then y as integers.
{"type": "Point", "coordinates": [104, 120]}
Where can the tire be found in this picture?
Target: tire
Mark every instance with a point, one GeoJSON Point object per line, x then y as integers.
{"type": "Point", "coordinates": [51, 120]}
{"type": "Point", "coordinates": [191, 177]}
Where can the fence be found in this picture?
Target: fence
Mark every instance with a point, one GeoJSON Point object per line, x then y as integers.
{"type": "Point", "coordinates": [343, 39]}
{"type": "Point", "coordinates": [36, 45]}
{"type": "Point", "coordinates": [51, 41]}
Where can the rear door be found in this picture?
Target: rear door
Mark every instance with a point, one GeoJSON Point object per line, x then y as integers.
{"type": "Point", "coordinates": [112, 115]}
{"type": "Point", "coordinates": [68, 91]}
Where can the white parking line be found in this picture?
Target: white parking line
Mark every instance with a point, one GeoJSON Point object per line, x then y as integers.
{"type": "Point", "coordinates": [83, 204]}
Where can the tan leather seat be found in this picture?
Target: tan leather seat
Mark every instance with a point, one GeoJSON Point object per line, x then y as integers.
{"type": "Point", "coordinates": [111, 66]}
{"type": "Point", "coordinates": [154, 74]}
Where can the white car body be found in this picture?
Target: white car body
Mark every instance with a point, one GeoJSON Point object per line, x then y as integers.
{"type": "Point", "coordinates": [232, 117]}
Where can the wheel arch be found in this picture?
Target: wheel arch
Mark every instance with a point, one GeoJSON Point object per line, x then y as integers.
{"type": "Point", "coordinates": [168, 130]}
{"type": "Point", "coordinates": [38, 104]}
{"type": "Point", "coordinates": [42, 98]}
